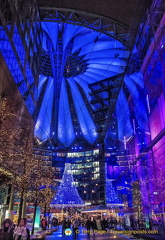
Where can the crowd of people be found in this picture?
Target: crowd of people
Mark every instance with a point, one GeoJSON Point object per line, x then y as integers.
{"type": "Point", "coordinates": [11, 232]}
{"type": "Point", "coordinates": [20, 232]}
{"type": "Point", "coordinates": [91, 224]}
{"type": "Point", "coordinates": [98, 224]}
{"type": "Point", "coordinates": [54, 222]}
{"type": "Point", "coordinates": [74, 224]}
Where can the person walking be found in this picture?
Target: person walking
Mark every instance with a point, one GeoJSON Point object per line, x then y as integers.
{"type": "Point", "coordinates": [21, 232]}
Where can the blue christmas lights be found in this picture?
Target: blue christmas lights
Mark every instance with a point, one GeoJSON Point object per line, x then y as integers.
{"type": "Point", "coordinates": [67, 194]}
{"type": "Point", "coordinates": [112, 199]}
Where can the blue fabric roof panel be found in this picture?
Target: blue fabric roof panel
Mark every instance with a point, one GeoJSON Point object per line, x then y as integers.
{"type": "Point", "coordinates": [69, 32]}
{"type": "Point", "coordinates": [87, 79]}
{"type": "Point", "coordinates": [52, 30]}
{"type": "Point", "coordinates": [65, 127]}
{"type": "Point", "coordinates": [114, 53]}
{"type": "Point", "coordinates": [131, 86]}
{"type": "Point", "coordinates": [100, 46]}
{"type": "Point", "coordinates": [86, 123]}
{"type": "Point", "coordinates": [107, 68]}
{"type": "Point", "coordinates": [84, 86]}
{"type": "Point", "coordinates": [101, 72]}
{"type": "Point", "coordinates": [92, 74]}
{"type": "Point", "coordinates": [138, 78]}
{"type": "Point", "coordinates": [123, 117]}
{"type": "Point", "coordinates": [110, 61]}
{"type": "Point", "coordinates": [139, 108]}
{"type": "Point", "coordinates": [80, 41]}
{"type": "Point", "coordinates": [42, 126]}
{"type": "Point", "coordinates": [42, 80]}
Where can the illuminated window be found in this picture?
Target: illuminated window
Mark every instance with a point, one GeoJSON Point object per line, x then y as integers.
{"type": "Point", "coordinates": [96, 152]}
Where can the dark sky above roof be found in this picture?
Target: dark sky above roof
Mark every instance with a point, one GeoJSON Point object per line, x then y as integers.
{"type": "Point", "coordinates": [121, 10]}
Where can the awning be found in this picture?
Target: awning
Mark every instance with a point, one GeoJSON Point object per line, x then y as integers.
{"type": "Point", "coordinates": [99, 208]}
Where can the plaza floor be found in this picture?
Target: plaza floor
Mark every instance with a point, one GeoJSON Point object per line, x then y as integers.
{"type": "Point", "coordinates": [84, 236]}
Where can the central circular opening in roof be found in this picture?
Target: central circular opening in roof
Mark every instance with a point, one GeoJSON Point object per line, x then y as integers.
{"type": "Point", "coordinates": [74, 66]}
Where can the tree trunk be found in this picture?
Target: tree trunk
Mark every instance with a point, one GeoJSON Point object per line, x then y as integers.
{"type": "Point", "coordinates": [11, 203]}
{"type": "Point", "coordinates": [45, 210]}
{"type": "Point", "coordinates": [34, 217]}
{"type": "Point", "coordinates": [24, 207]}
{"type": "Point", "coordinates": [20, 207]}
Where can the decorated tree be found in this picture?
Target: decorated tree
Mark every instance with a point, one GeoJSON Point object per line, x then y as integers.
{"type": "Point", "coordinates": [111, 196]}
{"type": "Point", "coordinates": [67, 194]}
{"type": "Point", "coordinates": [41, 190]}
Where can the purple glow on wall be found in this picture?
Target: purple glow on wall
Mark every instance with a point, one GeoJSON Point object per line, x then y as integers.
{"type": "Point", "coordinates": [161, 107]}
{"type": "Point", "coordinates": [137, 146]}
{"type": "Point", "coordinates": [155, 125]}
{"type": "Point", "coordinates": [159, 169]}
{"type": "Point", "coordinates": [143, 186]}
{"type": "Point", "coordinates": [151, 165]}
{"type": "Point", "coordinates": [157, 119]}
{"type": "Point", "coordinates": [113, 172]}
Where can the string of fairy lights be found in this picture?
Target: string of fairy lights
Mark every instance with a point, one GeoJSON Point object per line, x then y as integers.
{"type": "Point", "coordinates": [22, 167]}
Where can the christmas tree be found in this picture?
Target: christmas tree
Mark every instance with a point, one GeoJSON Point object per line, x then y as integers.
{"type": "Point", "coordinates": [111, 196]}
{"type": "Point", "coordinates": [67, 194]}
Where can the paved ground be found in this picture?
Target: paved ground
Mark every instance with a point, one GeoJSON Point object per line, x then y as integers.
{"type": "Point", "coordinates": [84, 236]}
{"type": "Point", "coordinates": [103, 236]}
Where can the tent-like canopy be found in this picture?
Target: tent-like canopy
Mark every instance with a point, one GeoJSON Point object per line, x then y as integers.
{"type": "Point", "coordinates": [99, 209]}
{"type": "Point", "coordinates": [76, 54]}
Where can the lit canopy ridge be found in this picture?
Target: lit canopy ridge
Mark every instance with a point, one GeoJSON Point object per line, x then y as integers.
{"type": "Point", "coordinates": [128, 118]}
{"type": "Point", "coordinates": [73, 57]}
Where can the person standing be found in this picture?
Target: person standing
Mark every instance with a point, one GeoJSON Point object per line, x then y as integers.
{"type": "Point", "coordinates": [88, 225]}
{"type": "Point", "coordinates": [63, 227]}
{"type": "Point", "coordinates": [43, 224]}
{"type": "Point", "coordinates": [94, 226]}
{"type": "Point", "coordinates": [7, 230]}
{"type": "Point", "coordinates": [104, 224]}
{"type": "Point", "coordinates": [75, 226]}
{"type": "Point", "coordinates": [21, 232]}
{"type": "Point", "coordinates": [68, 223]}
{"type": "Point", "coordinates": [98, 224]}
